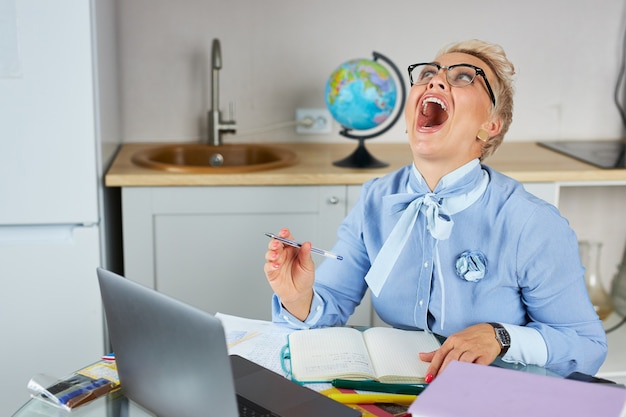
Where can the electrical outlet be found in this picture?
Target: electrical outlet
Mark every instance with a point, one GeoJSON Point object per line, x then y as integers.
{"type": "Point", "coordinates": [315, 121]}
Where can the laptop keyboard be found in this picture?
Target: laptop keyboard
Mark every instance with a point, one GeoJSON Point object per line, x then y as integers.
{"type": "Point", "coordinates": [249, 409]}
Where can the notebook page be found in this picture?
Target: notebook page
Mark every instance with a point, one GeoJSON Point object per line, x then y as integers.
{"type": "Point", "coordinates": [322, 354]}
{"type": "Point", "coordinates": [395, 352]}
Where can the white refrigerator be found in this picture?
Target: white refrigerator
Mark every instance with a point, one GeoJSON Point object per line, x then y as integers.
{"type": "Point", "coordinates": [57, 118]}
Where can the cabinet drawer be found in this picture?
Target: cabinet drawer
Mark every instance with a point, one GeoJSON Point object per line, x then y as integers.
{"type": "Point", "coordinates": [190, 200]}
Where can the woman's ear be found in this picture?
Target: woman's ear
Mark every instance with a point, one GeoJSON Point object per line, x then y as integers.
{"type": "Point", "coordinates": [493, 126]}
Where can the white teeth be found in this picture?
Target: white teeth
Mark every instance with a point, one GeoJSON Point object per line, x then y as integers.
{"type": "Point", "coordinates": [433, 100]}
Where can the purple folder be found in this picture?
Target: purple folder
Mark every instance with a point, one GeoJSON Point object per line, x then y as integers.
{"type": "Point", "coordinates": [470, 390]}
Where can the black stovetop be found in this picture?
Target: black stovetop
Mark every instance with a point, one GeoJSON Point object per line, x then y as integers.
{"type": "Point", "coordinates": [601, 153]}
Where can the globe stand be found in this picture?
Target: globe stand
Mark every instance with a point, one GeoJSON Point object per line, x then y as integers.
{"type": "Point", "coordinates": [361, 158]}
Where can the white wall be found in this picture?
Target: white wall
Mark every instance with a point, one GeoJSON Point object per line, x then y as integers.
{"type": "Point", "coordinates": [277, 55]}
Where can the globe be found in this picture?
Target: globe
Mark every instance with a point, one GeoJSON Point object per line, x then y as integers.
{"type": "Point", "coordinates": [360, 94]}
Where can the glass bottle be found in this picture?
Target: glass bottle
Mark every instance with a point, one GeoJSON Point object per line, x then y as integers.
{"type": "Point", "coordinates": [618, 288]}
{"type": "Point", "coordinates": [590, 257]}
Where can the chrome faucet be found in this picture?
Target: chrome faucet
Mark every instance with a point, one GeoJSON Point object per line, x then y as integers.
{"type": "Point", "coordinates": [217, 126]}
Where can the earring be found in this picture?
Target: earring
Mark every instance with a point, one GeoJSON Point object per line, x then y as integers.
{"type": "Point", "coordinates": [482, 135]}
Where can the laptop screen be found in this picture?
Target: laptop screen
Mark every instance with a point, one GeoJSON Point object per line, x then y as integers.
{"type": "Point", "coordinates": [171, 358]}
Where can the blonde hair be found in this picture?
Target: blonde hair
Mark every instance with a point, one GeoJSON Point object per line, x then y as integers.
{"type": "Point", "coordinates": [494, 56]}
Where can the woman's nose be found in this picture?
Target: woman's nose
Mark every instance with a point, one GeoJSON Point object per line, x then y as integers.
{"type": "Point", "coordinates": [439, 80]}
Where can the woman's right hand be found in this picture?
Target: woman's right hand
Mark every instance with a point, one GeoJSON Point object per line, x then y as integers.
{"type": "Point", "coordinates": [291, 272]}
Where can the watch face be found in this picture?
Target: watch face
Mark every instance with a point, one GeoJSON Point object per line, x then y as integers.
{"type": "Point", "coordinates": [503, 337]}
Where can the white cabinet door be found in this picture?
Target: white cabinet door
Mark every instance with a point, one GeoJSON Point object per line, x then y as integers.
{"type": "Point", "coordinates": [50, 314]}
{"type": "Point", "coordinates": [614, 366]}
{"type": "Point", "coordinates": [206, 245]}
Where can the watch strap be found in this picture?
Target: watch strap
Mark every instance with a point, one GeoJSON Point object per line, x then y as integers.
{"type": "Point", "coordinates": [503, 337]}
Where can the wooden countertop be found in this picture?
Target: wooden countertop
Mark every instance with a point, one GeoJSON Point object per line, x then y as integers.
{"type": "Point", "coordinates": [524, 161]}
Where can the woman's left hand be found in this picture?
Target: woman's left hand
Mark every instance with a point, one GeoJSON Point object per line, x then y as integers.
{"type": "Point", "coordinates": [477, 344]}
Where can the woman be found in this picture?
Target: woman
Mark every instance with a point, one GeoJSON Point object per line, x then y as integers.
{"type": "Point", "coordinates": [451, 246]}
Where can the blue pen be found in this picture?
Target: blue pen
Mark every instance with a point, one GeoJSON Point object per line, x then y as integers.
{"type": "Point", "coordinates": [297, 245]}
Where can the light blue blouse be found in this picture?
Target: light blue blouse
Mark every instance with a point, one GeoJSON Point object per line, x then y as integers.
{"type": "Point", "coordinates": [510, 258]}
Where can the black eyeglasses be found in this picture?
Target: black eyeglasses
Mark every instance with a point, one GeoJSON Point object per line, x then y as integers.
{"type": "Point", "coordinates": [459, 75]}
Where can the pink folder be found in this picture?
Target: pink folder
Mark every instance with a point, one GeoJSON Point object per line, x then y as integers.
{"type": "Point", "coordinates": [470, 390]}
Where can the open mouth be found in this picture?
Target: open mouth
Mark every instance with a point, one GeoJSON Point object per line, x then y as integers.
{"type": "Point", "coordinates": [433, 113]}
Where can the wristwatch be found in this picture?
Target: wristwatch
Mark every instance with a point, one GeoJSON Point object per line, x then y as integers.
{"type": "Point", "coordinates": [503, 337]}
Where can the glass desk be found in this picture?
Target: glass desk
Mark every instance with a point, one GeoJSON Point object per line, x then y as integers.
{"type": "Point", "coordinates": [112, 405]}
{"type": "Point", "coordinates": [117, 405]}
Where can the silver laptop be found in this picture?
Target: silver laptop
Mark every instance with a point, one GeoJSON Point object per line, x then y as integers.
{"type": "Point", "coordinates": [172, 359]}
